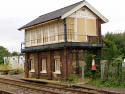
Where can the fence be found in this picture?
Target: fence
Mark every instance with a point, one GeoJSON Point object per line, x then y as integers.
{"type": "Point", "coordinates": [113, 70]}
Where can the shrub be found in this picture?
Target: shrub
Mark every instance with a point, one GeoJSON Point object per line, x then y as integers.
{"type": "Point", "coordinates": [16, 71]}
{"type": "Point", "coordinates": [73, 78]}
{"type": "Point", "coordinates": [108, 83]}
{"type": "Point", "coordinates": [5, 67]}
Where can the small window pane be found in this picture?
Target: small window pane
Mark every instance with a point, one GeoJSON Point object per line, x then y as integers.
{"type": "Point", "coordinates": [44, 66]}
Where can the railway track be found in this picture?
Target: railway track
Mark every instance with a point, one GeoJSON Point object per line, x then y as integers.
{"type": "Point", "coordinates": [51, 88]}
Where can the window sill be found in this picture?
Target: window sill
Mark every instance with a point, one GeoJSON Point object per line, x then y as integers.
{"type": "Point", "coordinates": [43, 71]}
{"type": "Point", "coordinates": [32, 70]}
{"type": "Point", "coordinates": [57, 72]}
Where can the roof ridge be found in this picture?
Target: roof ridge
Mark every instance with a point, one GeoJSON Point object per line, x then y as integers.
{"type": "Point", "coordinates": [63, 8]}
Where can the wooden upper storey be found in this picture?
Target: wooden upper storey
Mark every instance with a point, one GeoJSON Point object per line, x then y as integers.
{"type": "Point", "coordinates": [82, 25]}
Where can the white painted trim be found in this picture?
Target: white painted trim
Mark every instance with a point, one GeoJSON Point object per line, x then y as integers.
{"type": "Point", "coordinates": [96, 12]}
{"type": "Point", "coordinates": [76, 27]}
{"type": "Point", "coordinates": [32, 70]}
{"type": "Point", "coordinates": [89, 6]}
{"type": "Point", "coordinates": [72, 10]}
{"type": "Point", "coordinates": [38, 24]}
{"type": "Point", "coordinates": [85, 25]}
{"type": "Point", "coordinates": [57, 72]}
{"type": "Point", "coordinates": [43, 71]}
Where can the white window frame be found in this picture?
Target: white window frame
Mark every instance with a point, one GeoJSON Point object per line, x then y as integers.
{"type": "Point", "coordinates": [27, 38]}
{"type": "Point", "coordinates": [52, 33]}
{"type": "Point", "coordinates": [56, 32]}
{"type": "Point", "coordinates": [41, 30]}
{"type": "Point", "coordinates": [46, 35]}
{"type": "Point", "coordinates": [38, 37]}
{"type": "Point", "coordinates": [60, 31]}
{"type": "Point", "coordinates": [75, 28]}
{"type": "Point", "coordinates": [32, 65]}
{"type": "Point", "coordinates": [57, 66]}
{"type": "Point", "coordinates": [44, 66]}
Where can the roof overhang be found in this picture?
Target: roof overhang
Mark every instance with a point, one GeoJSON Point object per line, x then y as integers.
{"type": "Point", "coordinates": [39, 24]}
{"type": "Point", "coordinates": [85, 3]}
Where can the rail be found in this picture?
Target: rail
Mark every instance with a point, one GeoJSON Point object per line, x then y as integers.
{"type": "Point", "coordinates": [52, 88]}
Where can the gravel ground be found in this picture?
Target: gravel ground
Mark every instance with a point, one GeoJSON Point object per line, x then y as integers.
{"type": "Point", "coordinates": [18, 77]}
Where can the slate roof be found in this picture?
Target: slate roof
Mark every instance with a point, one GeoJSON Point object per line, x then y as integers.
{"type": "Point", "coordinates": [50, 16]}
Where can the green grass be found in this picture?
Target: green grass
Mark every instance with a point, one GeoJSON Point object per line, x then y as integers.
{"type": "Point", "coordinates": [5, 67]}
{"type": "Point", "coordinates": [112, 84]}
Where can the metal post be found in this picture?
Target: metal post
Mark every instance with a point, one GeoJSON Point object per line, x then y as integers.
{"type": "Point", "coordinates": [65, 30]}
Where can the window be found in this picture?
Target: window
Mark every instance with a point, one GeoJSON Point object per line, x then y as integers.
{"type": "Point", "coordinates": [38, 36]}
{"type": "Point", "coordinates": [45, 35]}
{"type": "Point", "coordinates": [60, 31]}
{"type": "Point", "coordinates": [91, 27]}
{"type": "Point", "coordinates": [43, 66]}
{"type": "Point", "coordinates": [57, 66]}
{"type": "Point", "coordinates": [70, 29]}
{"type": "Point", "coordinates": [52, 33]}
{"type": "Point", "coordinates": [32, 65]}
{"type": "Point", "coordinates": [81, 28]}
{"type": "Point", "coordinates": [27, 38]}
{"type": "Point", "coordinates": [33, 38]}
{"type": "Point", "coordinates": [41, 31]}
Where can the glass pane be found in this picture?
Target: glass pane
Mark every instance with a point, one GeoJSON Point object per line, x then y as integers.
{"type": "Point", "coordinates": [43, 64]}
{"type": "Point", "coordinates": [57, 64]}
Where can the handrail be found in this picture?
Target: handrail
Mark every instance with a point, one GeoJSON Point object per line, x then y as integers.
{"type": "Point", "coordinates": [56, 38]}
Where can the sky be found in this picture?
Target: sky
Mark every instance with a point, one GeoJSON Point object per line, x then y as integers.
{"type": "Point", "coordinates": [16, 13]}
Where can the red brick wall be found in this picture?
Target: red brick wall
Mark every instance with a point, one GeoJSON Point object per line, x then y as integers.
{"type": "Point", "coordinates": [66, 58]}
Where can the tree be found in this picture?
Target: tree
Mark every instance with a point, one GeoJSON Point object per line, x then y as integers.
{"type": "Point", "coordinates": [114, 51]}
{"type": "Point", "coordinates": [14, 53]}
{"type": "Point", "coordinates": [114, 45]}
{"type": "Point", "coordinates": [3, 52]}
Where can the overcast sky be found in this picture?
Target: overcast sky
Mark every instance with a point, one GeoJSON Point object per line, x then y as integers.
{"type": "Point", "coordinates": [16, 13]}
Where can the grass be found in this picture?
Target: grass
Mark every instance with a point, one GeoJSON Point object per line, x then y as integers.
{"type": "Point", "coordinates": [7, 69]}
{"type": "Point", "coordinates": [110, 84]}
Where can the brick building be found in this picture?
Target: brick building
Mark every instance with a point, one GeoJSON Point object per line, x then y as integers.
{"type": "Point", "coordinates": [55, 43]}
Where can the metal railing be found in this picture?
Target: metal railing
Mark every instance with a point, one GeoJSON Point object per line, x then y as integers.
{"type": "Point", "coordinates": [95, 39]}
{"type": "Point", "coordinates": [57, 38]}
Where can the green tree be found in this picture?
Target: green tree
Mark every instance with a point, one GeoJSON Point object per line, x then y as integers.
{"type": "Point", "coordinates": [3, 52]}
{"type": "Point", "coordinates": [15, 53]}
{"type": "Point", "coordinates": [114, 45]}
